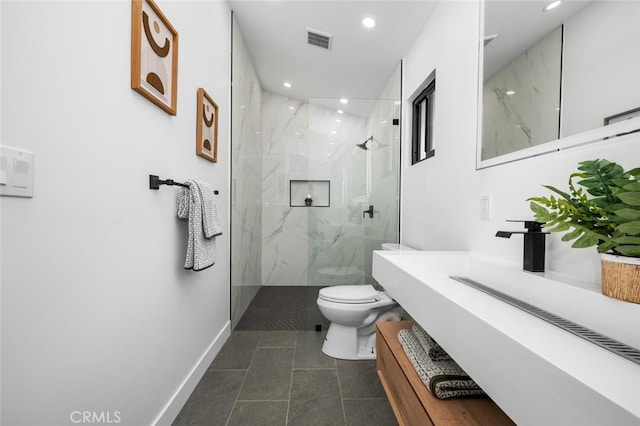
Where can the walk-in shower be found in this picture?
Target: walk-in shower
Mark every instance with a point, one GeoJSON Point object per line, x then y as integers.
{"type": "Point", "coordinates": [299, 188]}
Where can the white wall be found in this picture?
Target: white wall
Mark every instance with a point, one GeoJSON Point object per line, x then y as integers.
{"type": "Point", "coordinates": [98, 313]}
{"type": "Point", "coordinates": [441, 196]}
{"type": "Point", "coordinates": [436, 203]}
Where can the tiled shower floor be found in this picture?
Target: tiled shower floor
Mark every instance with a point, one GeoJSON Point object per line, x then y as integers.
{"type": "Point", "coordinates": [283, 308]}
{"type": "Point", "coordinates": [281, 377]}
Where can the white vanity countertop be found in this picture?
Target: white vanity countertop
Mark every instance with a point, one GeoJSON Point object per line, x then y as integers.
{"type": "Point", "coordinates": [537, 372]}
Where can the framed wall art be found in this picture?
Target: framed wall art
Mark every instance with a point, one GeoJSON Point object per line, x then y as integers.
{"type": "Point", "coordinates": [154, 55]}
{"type": "Point", "coordinates": [207, 127]}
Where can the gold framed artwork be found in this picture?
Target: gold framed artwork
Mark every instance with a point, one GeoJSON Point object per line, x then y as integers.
{"type": "Point", "coordinates": [207, 127]}
{"type": "Point", "coordinates": [154, 55]}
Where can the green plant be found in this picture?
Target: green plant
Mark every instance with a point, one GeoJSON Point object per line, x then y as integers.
{"type": "Point", "coordinates": [601, 208]}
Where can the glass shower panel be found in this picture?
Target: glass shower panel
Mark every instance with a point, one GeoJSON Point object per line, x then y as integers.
{"type": "Point", "coordinates": [358, 152]}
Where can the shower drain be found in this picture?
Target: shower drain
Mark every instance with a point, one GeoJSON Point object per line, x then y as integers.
{"type": "Point", "coordinates": [618, 348]}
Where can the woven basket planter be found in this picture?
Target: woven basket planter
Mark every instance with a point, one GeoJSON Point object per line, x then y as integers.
{"type": "Point", "coordinates": [621, 277]}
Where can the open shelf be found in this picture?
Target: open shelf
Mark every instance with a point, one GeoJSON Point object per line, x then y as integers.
{"type": "Point", "coordinates": [318, 190]}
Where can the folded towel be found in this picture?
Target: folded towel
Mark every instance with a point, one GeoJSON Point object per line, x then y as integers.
{"type": "Point", "coordinates": [444, 379]}
{"type": "Point", "coordinates": [433, 349]}
{"type": "Point", "coordinates": [197, 204]}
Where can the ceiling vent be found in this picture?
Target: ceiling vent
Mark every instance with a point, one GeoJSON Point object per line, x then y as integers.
{"type": "Point", "coordinates": [319, 38]}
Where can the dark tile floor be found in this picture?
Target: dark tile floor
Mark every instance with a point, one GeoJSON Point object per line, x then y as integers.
{"type": "Point", "coordinates": [281, 377]}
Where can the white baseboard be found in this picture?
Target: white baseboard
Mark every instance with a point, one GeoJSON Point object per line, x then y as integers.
{"type": "Point", "coordinates": [170, 411]}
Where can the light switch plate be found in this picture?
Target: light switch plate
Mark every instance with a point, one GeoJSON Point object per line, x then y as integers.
{"type": "Point", "coordinates": [16, 172]}
{"type": "Point", "coordinates": [485, 206]}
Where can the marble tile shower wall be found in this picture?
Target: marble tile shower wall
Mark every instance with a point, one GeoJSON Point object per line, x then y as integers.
{"type": "Point", "coordinates": [300, 144]}
{"type": "Point", "coordinates": [305, 246]}
{"type": "Point", "coordinates": [246, 209]}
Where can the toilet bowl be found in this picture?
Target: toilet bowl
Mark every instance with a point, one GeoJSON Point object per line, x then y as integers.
{"type": "Point", "coordinates": [353, 311]}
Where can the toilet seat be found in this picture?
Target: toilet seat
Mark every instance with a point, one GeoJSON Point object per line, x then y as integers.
{"type": "Point", "coordinates": [350, 294]}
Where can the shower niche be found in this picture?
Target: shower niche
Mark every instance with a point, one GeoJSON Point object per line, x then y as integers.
{"type": "Point", "coordinates": [309, 193]}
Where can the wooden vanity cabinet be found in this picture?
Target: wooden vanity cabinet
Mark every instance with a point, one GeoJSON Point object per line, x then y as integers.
{"type": "Point", "coordinates": [411, 401]}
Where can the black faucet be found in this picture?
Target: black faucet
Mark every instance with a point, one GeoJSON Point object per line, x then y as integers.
{"type": "Point", "coordinates": [534, 244]}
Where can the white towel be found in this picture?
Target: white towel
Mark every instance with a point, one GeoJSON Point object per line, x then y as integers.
{"type": "Point", "coordinates": [197, 203]}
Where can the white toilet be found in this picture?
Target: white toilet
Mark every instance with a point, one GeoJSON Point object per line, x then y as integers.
{"type": "Point", "coordinates": [353, 311]}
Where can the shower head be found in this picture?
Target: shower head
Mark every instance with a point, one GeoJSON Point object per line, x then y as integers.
{"type": "Point", "coordinates": [363, 145]}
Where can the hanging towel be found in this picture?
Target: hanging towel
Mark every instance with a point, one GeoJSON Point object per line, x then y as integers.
{"type": "Point", "coordinates": [197, 204]}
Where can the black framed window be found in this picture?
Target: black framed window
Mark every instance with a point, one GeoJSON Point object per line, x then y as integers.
{"type": "Point", "coordinates": [422, 133]}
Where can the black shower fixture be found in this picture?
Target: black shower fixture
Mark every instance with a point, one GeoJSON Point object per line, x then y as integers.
{"type": "Point", "coordinates": [363, 145]}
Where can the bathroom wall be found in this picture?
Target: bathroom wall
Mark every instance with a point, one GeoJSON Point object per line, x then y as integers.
{"type": "Point", "coordinates": [437, 193]}
{"type": "Point", "coordinates": [246, 180]}
{"type": "Point", "coordinates": [98, 313]}
{"type": "Point", "coordinates": [441, 196]}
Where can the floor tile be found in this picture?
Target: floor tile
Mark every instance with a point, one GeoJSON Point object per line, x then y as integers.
{"type": "Point", "coordinates": [368, 412]}
{"type": "Point", "coordinates": [250, 413]}
{"type": "Point", "coordinates": [212, 400]}
{"type": "Point", "coordinates": [278, 339]}
{"type": "Point", "coordinates": [237, 351]}
{"type": "Point", "coordinates": [283, 308]}
{"type": "Point", "coordinates": [309, 351]}
{"type": "Point", "coordinates": [274, 373]}
{"type": "Point", "coordinates": [315, 399]}
{"type": "Point", "coordinates": [359, 379]}
{"type": "Point", "coordinates": [269, 377]}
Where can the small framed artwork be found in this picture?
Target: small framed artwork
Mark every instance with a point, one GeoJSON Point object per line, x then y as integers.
{"type": "Point", "coordinates": [154, 55]}
{"type": "Point", "coordinates": [207, 127]}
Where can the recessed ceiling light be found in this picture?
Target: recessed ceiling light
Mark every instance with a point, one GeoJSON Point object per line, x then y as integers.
{"type": "Point", "coordinates": [287, 85]}
{"type": "Point", "coordinates": [510, 92]}
{"type": "Point", "coordinates": [552, 5]}
{"type": "Point", "coordinates": [369, 22]}
{"type": "Point", "coordinates": [291, 108]}
{"type": "Point", "coordinates": [340, 111]}
{"type": "Point", "coordinates": [344, 100]}
{"type": "Point", "coordinates": [338, 120]}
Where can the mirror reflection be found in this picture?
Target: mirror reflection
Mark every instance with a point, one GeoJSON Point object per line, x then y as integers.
{"type": "Point", "coordinates": [549, 75]}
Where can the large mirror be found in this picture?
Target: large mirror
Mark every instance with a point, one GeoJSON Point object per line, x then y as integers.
{"type": "Point", "coordinates": [558, 78]}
